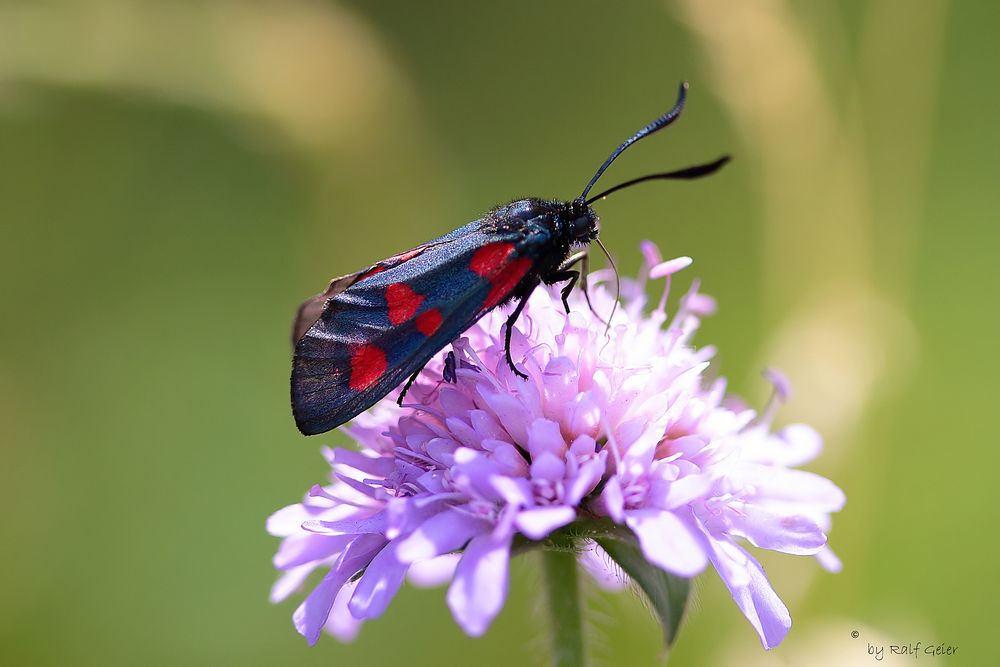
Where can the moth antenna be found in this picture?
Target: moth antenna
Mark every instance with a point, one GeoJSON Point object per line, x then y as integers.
{"type": "Point", "coordinates": [655, 126]}
{"type": "Point", "coordinates": [618, 284]}
{"type": "Point", "coordinates": [586, 296]}
{"type": "Point", "coordinates": [688, 173]}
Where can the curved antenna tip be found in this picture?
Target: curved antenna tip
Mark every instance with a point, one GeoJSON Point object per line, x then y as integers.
{"type": "Point", "coordinates": [688, 173]}
{"type": "Point", "coordinates": [655, 126]}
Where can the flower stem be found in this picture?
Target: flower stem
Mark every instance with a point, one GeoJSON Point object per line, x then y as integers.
{"type": "Point", "coordinates": [565, 618]}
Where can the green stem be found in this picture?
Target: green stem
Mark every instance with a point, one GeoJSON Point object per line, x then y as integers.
{"type": "Point", "coordinates": [565, 618]}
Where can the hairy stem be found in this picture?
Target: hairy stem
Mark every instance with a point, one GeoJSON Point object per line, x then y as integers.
{"type": "Point", "coordinates": [565, 617]}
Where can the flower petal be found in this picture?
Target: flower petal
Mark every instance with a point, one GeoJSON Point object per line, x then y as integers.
{"type": "Point", "coordinates": [311, 615]}
{"type": "Point", "coordinates": [371, 465]}
{"type": "Point", "coordinates": [512, 490]}
{"type": "Point", "coordinates": [790, 534]}
{"type": "Point", "coordinates": [487, 426]}
{"type": "Point", "coordinates": [433, 571]}
{"type": "Point", "coordinates": [445, 532]}
{"type": "Point", "coordinates": [378, 585]}
{"type": "Point", "coordinates": [611, 501]}
{"type": "Point", "coordinates": [746, 581]}
{"type": "Point", "coordinates": [583, 414]}
{"type": "Point", "coordinates": [290, 580]}
{"type": "Point", "coordinates": [480, 586]}
{"type": "Point", "coordinates": [548, 467]}
{"type": "Point", "coordinates": [828, 560]}
{"type": "Point", "coordinates": [668, 541]}
{"type": "Point", "coordinates": [544, 437]}
{"type": "Point", "coordinates": [341, 623]}
{"type": "Point", "coordinates": [798, 487]}
{"type": "Point", "coordinates": [670, 267]}
{"type": "Point", "coordinates": [538, 522]}
{"type": "Point", "coordinates": [374, 524]}
{"type": "Point", "coordinates": [586, 480]}
{"type": "Point", "coordinates": [792, 446]}
{"type": "Point", "coordinates": [509, 411]}
{"type": "Point", "coordinates": [288, 520]}
{"type": "Point", "coordinates": [684, 490]}
{"type": "Point", "coordinates": [309, 548]}
{"type": "Point", "coordinates": [650, 253]}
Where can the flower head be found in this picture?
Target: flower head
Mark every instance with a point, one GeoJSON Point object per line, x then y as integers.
{"type": "Point", "coordinates": [615, 423]}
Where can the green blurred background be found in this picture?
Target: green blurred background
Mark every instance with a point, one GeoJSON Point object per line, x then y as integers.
{"type": "Point", "coordinates": [175, 177]}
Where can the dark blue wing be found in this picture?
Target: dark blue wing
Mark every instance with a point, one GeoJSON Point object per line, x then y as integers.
{"type": "Point", "coordinates": [381, 325]}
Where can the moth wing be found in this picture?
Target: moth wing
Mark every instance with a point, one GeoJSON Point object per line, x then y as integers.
{"type": "Point", "coordinates": [380, 329]}
{"type": "Point", "coordinates": [313, 307]}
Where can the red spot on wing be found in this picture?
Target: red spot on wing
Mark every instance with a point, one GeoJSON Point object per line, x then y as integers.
{"type": "Point", "coordinates": [396, 260]}
{"type": "Point", "coordinates": [378, 268]}
{"type": "Point", "coordinates": [506, 280]}
{"type": "Point", "coordinates": [429, 322]}
{"type": "Point", "coordinates": [391, 262]}
{"type": "Point", "coordinates": [368, 362]}
{"type": "Point", "coordinates": [402, 301]}
{"type": "Point", "coordinates": [490, 260]}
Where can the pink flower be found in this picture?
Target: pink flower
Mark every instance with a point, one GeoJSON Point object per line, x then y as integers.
{"type": "Point", "coordinates": [614, 424]}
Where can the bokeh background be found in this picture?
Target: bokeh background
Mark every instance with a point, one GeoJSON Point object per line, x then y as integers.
{"type": "Point", "coordinates": [175, 177]}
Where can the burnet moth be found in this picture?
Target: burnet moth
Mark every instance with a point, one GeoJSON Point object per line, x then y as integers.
{"type": "Point", "coordinates": [371, 330]}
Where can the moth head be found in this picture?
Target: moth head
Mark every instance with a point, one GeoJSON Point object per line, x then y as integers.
{"type": "Point", "coordinates": [580, 222]}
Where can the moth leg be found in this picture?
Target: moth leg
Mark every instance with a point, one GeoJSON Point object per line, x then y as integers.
{"type": "Point", "coordinates": [563, 273]}
{"type": "Point", "coordinates": [510, 328]}
{"type": "Point", "coordinates": [572, 277]}
{"type": "Point", "coordinates": [585, 266]}
{"type": "Point", "coordinates": [450, 366]}
{"type": "Point", "coordinates": [409, 383]}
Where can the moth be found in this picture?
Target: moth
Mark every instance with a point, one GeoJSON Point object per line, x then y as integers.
{"type": "Point", "coordinates": [371, 330]}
